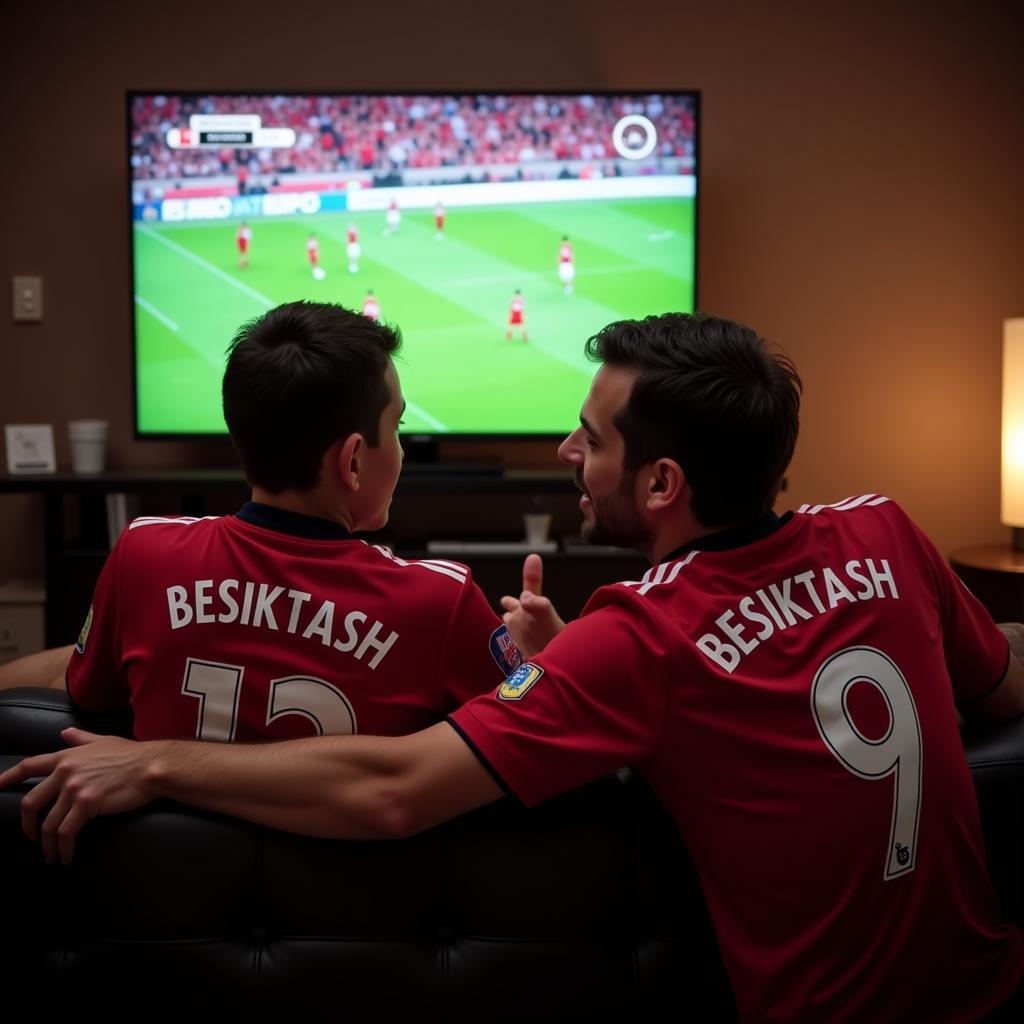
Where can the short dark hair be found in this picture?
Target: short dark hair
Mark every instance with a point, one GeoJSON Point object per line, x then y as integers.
{"type": "Point", "coordinates": [298, 378]}
{"type": "Point", "coordinates": [711, 396]}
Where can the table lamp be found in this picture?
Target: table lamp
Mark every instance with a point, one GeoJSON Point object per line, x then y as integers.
{"type": "Point", "coordinates": [1011, 511]}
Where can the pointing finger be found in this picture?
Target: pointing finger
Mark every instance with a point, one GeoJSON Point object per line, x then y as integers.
{"type": "Point", "coordinates": [533, 574]}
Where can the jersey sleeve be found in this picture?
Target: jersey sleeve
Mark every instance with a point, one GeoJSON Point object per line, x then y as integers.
{"type": "Point", "coordinates": [478, 651]}
{"type": "Point", "coordinates": [592, 701]}
{"type": "Point", "coordinates": [95, 676]}
{"type": "Point", "coordinates": [976, 651]}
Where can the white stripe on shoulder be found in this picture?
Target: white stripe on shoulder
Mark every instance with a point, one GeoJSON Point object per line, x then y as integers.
{"type": "Point", "coordinates": [174, 521]}
{"type": "Point", "coordinates": [845, 505]}
{"type": "Point", "coordinates": [451, 569]}
{"type": "Point", "coordinates": [643, 579]}
{"type": "Point", "coordinates": [661, 574]}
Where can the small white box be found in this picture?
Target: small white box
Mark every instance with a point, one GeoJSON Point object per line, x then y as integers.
{"type": "Point", "coordinates": [30, 448]}
{"type": "Point", "coordinates": [22, 618]}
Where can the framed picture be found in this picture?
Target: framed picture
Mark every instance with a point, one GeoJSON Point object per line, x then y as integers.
{"type": "Point", "coordinates": [30, 448]}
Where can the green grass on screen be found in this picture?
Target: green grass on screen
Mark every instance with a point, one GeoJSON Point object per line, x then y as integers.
{"type": "Point", "coordinates": [450, 296]}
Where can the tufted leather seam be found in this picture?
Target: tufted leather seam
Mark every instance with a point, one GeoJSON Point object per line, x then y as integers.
{"type": "Point", "coordinates": [36, 706]}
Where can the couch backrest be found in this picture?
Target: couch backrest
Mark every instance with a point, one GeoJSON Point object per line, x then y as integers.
{"type": "Point", "coordinates": [586, 908]}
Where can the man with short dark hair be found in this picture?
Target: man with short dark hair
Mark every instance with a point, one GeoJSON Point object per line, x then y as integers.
{"type": "Point", "coordinates": [787, 685]}
{"type": "Point", "coordinates": [276, 622]}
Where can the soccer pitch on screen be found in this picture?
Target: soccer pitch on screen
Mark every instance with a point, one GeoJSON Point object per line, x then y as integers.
{"type": "Point", "coordinates": [449, 295]}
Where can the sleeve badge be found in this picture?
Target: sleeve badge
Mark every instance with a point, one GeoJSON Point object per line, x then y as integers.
{"type": "Point", "coordinates": [520, 682]}
{"type": "Point", "coordinates": [84, 635]}
{"type": "Point", "coordinates": [504, 650]}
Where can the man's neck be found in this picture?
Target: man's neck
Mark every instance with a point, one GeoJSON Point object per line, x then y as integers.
{"type": "Point", "coordinates": [307, 503]}
{"type": "Point", "coordinates": [669, 540]}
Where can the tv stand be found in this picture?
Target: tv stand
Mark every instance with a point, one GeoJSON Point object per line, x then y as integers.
{"type": "Point", "coordinates": [421, 449]}
{"type": "Point", "coordinates": [447, 470]}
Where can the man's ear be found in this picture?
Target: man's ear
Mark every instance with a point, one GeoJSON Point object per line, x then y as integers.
{"type": "Point", "coordinates": [346, 460]}
{"type": "Point", "coordinates": [666, 485]}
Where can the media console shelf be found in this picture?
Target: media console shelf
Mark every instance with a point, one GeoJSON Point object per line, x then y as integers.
{"type": "Point", "coordinates": [455, 503]}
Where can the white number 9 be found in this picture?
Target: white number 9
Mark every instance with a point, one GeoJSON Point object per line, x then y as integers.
{"type": "Point", "coordinates": [898, 751]}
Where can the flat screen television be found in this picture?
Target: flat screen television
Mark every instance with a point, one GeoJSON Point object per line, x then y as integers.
{"type": "Point", "coordinates": [498, 231]}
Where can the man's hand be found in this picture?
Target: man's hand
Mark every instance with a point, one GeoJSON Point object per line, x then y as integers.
{"type": "Point", "coordinates": [95, 775]}
{"type": "Point", "coordinates": [531, 619]}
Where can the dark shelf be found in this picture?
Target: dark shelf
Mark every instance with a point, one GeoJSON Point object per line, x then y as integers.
{"type": "Point", "coordinates": [441, 500]}
{"type": "Point", "coordinates": [465, 478]}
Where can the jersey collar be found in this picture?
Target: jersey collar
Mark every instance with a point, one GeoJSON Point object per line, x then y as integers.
{"type": "Point", "coordinates": [734, 536]}
{"type": "Point", "coordinates": [256, 513]}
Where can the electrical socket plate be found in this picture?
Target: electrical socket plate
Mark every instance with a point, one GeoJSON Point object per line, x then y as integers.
{"type": "Point", "coordinates": [28, 298]}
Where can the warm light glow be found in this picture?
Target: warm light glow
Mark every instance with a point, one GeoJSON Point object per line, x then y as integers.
{"type": "Point", "coordinates": [1012, 506]}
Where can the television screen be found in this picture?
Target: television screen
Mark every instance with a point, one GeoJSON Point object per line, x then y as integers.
{"type": "Point", "coordinates": [497, 231]}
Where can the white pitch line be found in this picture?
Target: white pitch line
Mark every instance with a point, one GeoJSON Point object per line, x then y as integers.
{"type": "Point", "coordinates": [199, 261]}
{"type": "Point", "coordinates": [150, 308]}
{"type": "Point", "coordinates": [435, 423]}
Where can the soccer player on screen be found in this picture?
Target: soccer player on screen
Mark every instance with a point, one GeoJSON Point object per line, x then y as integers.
{"type": "Point", "coordinates": [439, 220]}
{"type": "Point", "coordinates": [371, 307]}
{"type": "Point", "coordinates": [353, 249]}
{"type": "Point", "coordinates": [242, 240]}
{"type": "Point", "coordinates": [566, 265]}
{"type": "Point", "coordinates": [277, 622]}
{"type": "Point", "coordinates": [516, 316]}
{"type": "Point", "coordinates": [393, 218]}
{"type": "Point", "coordinates": [313, 255]}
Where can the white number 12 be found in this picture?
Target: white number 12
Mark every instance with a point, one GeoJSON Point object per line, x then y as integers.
{"type": "Point", "coordinates": [218, 688]}
{"type": "Point", "coordinates": [898, 751]}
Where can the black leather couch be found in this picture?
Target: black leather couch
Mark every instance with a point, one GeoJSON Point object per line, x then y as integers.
{"type": "Point", "coordinates": [586, 909]}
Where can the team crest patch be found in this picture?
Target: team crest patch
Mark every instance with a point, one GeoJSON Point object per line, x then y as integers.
{"type": "Point", "coordinates": [84, 635]}
{"type": "Point", "coordinates": [504, 650]}
{"type": "Point", "coordinates": [520, 682]}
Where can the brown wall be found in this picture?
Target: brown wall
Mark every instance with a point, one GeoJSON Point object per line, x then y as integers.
{"type": "Point", "coordinates": [862, 199]}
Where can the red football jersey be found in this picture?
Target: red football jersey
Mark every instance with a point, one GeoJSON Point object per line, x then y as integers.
{"type": "Point", "coordinates": [515, 311]}
{"type": "Point", "coordinates": [789, 694]}
{"type": "Point", "coordinates": [270, 625]}
{"type": "Point", "coordinates": [371, 308]}
{"type": "Point", "coordinates": [565, 253]}
{"type": "Point", "coordinates": [353, 235]}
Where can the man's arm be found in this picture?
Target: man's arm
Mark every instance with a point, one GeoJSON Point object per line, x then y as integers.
{"type": "Point", "coordinates": [1007, 699]}
{"type": "Point", "coordinates": [352, 787]}
{"type": "Point", "coordinates": [45, 669]}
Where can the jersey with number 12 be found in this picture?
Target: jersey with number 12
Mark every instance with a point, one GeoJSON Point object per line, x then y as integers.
{"type": "Point", "coordinates": [225, 629]}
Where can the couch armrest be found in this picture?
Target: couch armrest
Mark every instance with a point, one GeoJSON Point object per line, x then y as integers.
{"type": "Point", "coordinates": [31, 720]}
{"type": "Point", "coordinates": [995, 753]}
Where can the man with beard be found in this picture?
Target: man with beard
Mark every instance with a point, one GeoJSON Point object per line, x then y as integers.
{"type": "Point", "coordinates": [785, 684]}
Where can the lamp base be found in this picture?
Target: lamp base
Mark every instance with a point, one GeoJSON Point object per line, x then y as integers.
{"type": "Point", "coordinates": [1017, 538]}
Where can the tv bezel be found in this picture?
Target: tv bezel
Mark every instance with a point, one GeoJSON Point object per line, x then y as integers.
{"type": "Point", "coordinates": [411, 438]}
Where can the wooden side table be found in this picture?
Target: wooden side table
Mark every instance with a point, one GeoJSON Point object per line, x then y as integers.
{"type": "Point", "coordinates": [994, 573]}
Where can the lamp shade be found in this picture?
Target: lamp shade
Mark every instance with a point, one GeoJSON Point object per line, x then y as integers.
{"type": "Point", "coordinates": [1012, 504]}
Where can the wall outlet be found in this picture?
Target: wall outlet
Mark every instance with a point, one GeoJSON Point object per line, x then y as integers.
{"type": "Point", "coordinates": [28, 298]}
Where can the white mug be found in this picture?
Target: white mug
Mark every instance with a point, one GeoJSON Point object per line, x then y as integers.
{"type": "Point", "coordinates": [88, 445]}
